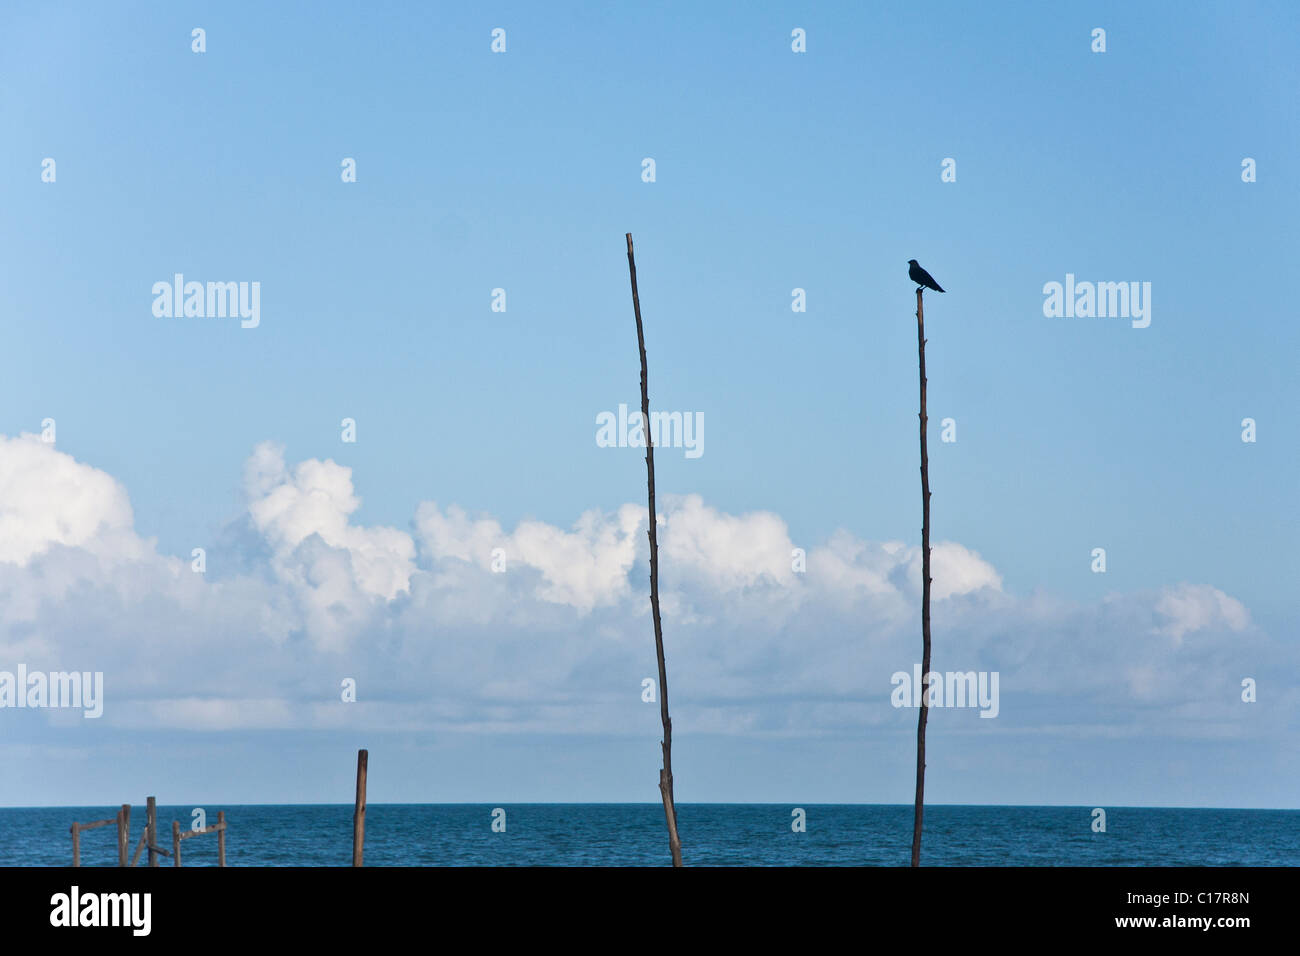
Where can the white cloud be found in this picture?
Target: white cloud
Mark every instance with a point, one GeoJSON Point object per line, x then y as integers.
{"type": "Point", "coordinates": [49, 498]}
{"type": "Point", "coordinates": [561, 640]}
{"type": "Point", "coordinates": [729, 552]}
{"type": "Point", "coordinates": [316, 498]}
{"type": "Point", "coordinates": [583, 568]}
{"type": "Point", "coordinates": [956, 570]}
{"type": "Point", "coordinates": [1195, 607]}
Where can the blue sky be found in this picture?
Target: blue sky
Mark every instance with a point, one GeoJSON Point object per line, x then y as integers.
{"type": "Point", "coordinates": [775, 170]}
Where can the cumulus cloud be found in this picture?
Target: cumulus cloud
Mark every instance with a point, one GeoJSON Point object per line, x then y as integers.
{"type": "Point", "coordinates": [956, 570]}
{"type": "Point", "coordinates": [462, 624]}
{"type": "Point", "coordinates": [1187, 607]}
{"type": "Point", "coordinates": [48, 498]}
{"type": "Point", "coordinates": [315, 500]}
{"type": "Point", "coordinates": [582, 568]}
{"type": "Point", "coordinates": [339, 573]}
{"type": "Point", "coordinates": [728, 552]}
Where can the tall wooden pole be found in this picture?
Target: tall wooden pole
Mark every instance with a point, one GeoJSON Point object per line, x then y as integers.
{"type": "Point", "coordinates": [221, 838]}
{"type": "Point", "coordinates": [359, 814]}
{"type": "Point", "coordinates": [176, 843]}
{"type": "Point", "coordinates": [925, 597]}
{"type": "Point", "coordinates": [76, 845]}
{"type": "Point", "coordinates": [666, 773]}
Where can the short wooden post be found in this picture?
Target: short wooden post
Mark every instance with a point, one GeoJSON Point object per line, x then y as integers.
{"type": "Point", "coordinates": [176, 843]}
{"type": "Point", "coordinates": [221, 838]}
{"type": "Point", "coordinates": [359, 815]}
{"type": "Point", "coordinates": [76, 845]}
{"type": "Point", "coordinates": [123, 833]}
{"type": "Point", "coordinates": [151, 829]}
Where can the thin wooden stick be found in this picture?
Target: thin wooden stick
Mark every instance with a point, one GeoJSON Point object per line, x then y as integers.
{"type": "Point", "coordinates": [925, 596]}
{"type": "Point", "coordinates": [221, 838]}
{"type": "Point", "coordinates": [359, 814]}
{"type": "Point", "coordinates": [176, 842]}
{"type": "Point", "coordinates": [97, 824]}
{"type": "Point", "coordinates": [144, 838]}
{"type": "Point", "coordinates": [216, 828]}
{"type": "Point", "coordinates": [76, 845]}
{"type": "Point", "coordinates": [666, 773]}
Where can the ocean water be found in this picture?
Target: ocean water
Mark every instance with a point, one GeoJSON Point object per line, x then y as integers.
{"type": "Point", "coordinates": [585, 834]}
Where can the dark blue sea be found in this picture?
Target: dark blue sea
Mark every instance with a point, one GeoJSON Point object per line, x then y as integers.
{"type": "Point", "coordinates": [584, 834]}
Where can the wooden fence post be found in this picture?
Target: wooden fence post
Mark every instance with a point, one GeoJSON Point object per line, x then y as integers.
{"type": "Point", "coordinates": [176, 843]}
{"type": "Point", "coordinates": [151, 828]}
{"type": "Point", "coordinates": [359, 814]}
{"type": "Point", "coordinates": [76, 845]}
{"type": "Point", "coordinates": [123, 833]}
{"type": "Point", "coordinates": [221, 838]}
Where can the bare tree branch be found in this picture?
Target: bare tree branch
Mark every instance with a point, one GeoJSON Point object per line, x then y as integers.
{"type": "Point", "coordinates": [925, 596]}
{"type": "Point", "coordinates": [666, 773]}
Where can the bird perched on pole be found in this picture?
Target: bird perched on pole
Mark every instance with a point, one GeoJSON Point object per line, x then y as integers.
{"type": "Point", "coordinates": [921, 277]}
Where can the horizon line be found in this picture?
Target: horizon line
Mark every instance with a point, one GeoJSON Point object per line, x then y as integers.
{"type": "Point", "coordinates": [649, 803]}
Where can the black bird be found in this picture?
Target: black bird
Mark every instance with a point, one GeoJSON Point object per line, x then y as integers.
{"type": "Point", "coordinates": [921, 277]}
